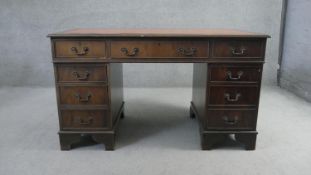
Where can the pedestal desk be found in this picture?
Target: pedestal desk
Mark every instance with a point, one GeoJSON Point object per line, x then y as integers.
{"type": "Point", "coordinates": [226, 79]}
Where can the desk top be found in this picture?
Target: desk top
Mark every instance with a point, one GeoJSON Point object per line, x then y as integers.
{"type": "Point", "coordinates": [156, 33]}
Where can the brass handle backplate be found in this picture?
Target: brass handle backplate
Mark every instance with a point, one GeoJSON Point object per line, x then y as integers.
{"type": "Point", "coordinates": [238, 52]}
{"type": "Point", "coordinates": [84, 98]}
{"type": "Point", "coordinates": [134, 52]}
{"type": "Point", "coordinates": [235, 99]}
{"type": "Point", "coordinates": [85, 121]}
{"type": "Point", "coordinates": [78, 76]}
{"type": "Point", "coordinates": [88, 121]}
{"type": "Point", "coordinates": [233, 121]}
{"type": "Point", "coordinates": [239, 75]}
{"type": "Point", "coordinates": [187, 52]}
{"type": "Point", "coordinates": [81, 51]}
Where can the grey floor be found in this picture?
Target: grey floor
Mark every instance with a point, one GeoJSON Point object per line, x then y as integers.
{"type": "Point", "coordinates": [156, 137]}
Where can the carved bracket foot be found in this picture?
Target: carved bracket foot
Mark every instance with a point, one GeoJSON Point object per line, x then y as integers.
{"type": "Point", "coordinates": [107, 139]}
{"type": "Point", "coordinates": [66, 140]}
{"type": "Point", "coordinates": [209, 140]}
{"type": "Point", "coordinates": [248, 139]}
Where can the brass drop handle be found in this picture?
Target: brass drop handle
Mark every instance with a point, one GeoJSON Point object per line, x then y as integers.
{"type": "Point", "coordinates": [233, 121]}
{"type": "Point", "coordinates": [228, 97]}
{"type": "Point", "coordinates": [86, 121]}
{"type": "Point", "coordinates": [239, 75]}
{"type": "Point", "coordinates": [127, 53]}
{"type": "Point", "coordinates": [187, 52]}
{"type": "Point", "coordinates": [240, 52]}
{"type": "Point", "coordinates": [80, 52]}
{"type": "Point", "coordinates": [86, 97]}
{"type": "Point", "coordinates": [85, 76]}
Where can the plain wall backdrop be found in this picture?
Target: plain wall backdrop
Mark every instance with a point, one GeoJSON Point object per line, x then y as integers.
{"type": "Point", "coordinates": [25, 55]}
{"type": "Point", "coordinates": [295, 68]}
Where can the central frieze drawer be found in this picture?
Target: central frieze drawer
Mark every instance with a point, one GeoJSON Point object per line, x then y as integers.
{"type": "Point", "coordinates": [79, 49]}
{"type": "Point", "coordinates": [84, 119]}
{"type": "Point", "coordinates": [159, 49]}
{"type": "Point", "coordinates": [233, 95]}
{"type": "Point", "coordinates": [83, 95]}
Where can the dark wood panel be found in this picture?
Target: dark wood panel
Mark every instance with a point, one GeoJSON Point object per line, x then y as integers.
{"type": "Point", "coordinates": [231, 119]}
{"type": "Point", "coordinates": [116, 89]}
{"type": "Point", "coordinates": [82, 73]}
{"type": "Point", "coordinates": [83, 95]}
{"type": "Point", "coordinates": [159, 48]}
{"type": "Point", "coordinates": [238, 48]}
{"type": "Point", "coordinates": [233, 95]}
{"type": "Point", "coordinates": [235, 73]}
{"type": "Point", "coordinates": [79, 48]}
{"type": "Point", "coordinates": [85, 119]}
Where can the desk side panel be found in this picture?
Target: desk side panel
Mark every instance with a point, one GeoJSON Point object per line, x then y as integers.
{"type": "Point", "coordinates": [199, 88]}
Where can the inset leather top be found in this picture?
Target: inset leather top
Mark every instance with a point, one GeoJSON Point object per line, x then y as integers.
{"type": "Point", "coordinates": [157, 33]}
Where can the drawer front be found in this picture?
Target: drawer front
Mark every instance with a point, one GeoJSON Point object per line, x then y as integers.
{"type": "Point", "coordinates": [84, 119]}
{"type": "Point", "coordinates": [159, 49]}
{"type": "Point", "coordinates": [238, 49]}
{"type": "Point", "coordinates": [79, 49]}
{"type": "Point", "coordinates": [235, 73]}
{"type": "Point", "coordinates": [83, 95]}
{"type": "Point", "coordinates": [82, 73]}
{"type": "Point", "coordinates": [233, 95]}
{"type": "Point", "coordinates": [231, 119]}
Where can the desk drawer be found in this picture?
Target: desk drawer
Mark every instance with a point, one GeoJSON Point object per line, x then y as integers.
{"type": "Point", "coordinates": [83, 95]}
{"type": "Point", "coordinates": [233, 95]}
{"type": "Point", "coordinates": [79, 49]}
{"type": "Point", "coordinates": [235, 73]}
{"type": "Point", "coordinates": [159, 49]}
{"type": "Point", "coordinates": [238, 49]}
{"type": "Point", "coordinates": [81, 72]}
{"type": "Point", "coordinates": [84, 119]}
{"type": "Point", "coordinates": [231, 119]}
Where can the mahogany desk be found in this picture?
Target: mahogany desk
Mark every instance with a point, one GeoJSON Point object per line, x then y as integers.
{"type": "Point", "coordinates": [226, 79]}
